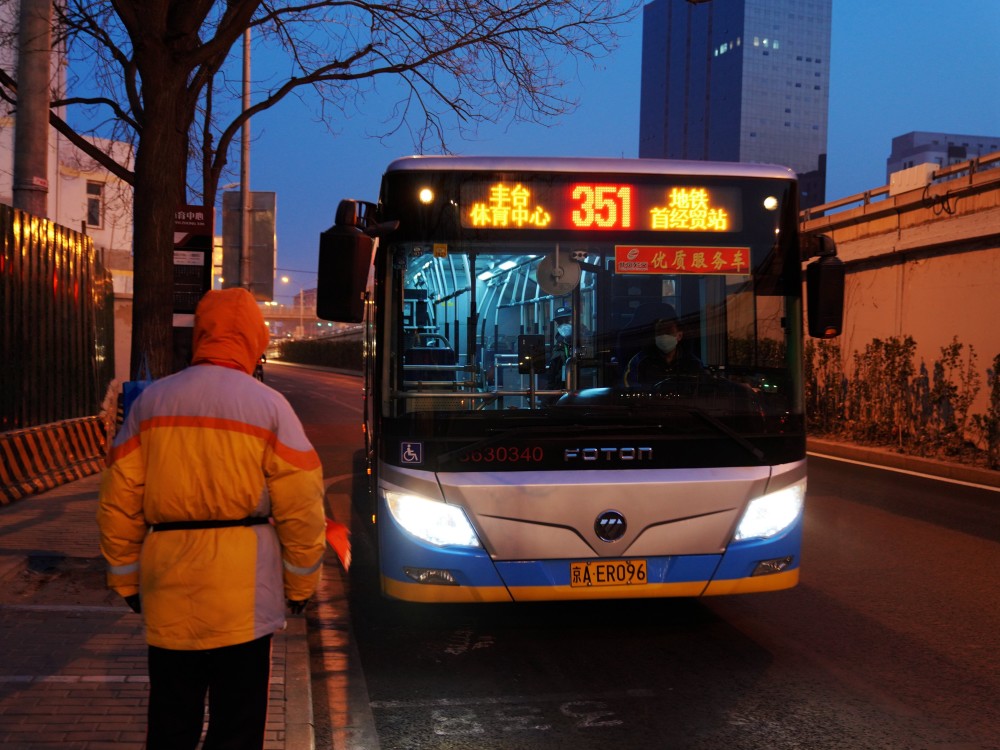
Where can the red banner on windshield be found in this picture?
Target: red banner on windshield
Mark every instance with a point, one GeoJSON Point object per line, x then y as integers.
{"type": "Point", "coordinates": [673, 259]}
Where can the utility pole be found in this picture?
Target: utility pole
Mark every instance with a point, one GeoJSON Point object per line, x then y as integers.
{"type": "Point", "coordinates": [302, 313]}
{"type": "Point", "coordinates": [31, 128]}
{"type": "Point", "coordinates": [246, 276]}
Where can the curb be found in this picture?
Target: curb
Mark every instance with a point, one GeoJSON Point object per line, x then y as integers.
{"type": "Point", "coordinates": [299, 721]}
{"type": "Point", "coordinates": [891, 459]}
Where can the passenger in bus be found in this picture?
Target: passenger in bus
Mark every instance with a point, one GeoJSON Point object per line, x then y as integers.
{"type": "Point", "coordinates": [562, 347]}
{"type": "Point", "coordinates": [663, 356]}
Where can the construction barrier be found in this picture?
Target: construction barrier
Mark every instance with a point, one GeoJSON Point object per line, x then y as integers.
{"type": "Point", "coordinates": [37, 459]}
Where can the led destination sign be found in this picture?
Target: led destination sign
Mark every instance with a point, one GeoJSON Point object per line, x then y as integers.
{"type": "Point", "coordinates": [600, 206]}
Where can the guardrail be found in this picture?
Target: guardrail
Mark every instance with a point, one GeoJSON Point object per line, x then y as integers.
{"type": "Point", "coordinates": [40, 458]}
{"type": "Point", "coordinates": [969, 169]}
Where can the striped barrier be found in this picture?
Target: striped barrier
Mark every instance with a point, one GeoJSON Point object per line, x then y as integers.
{"type": "Point", "coordinates": [40, 458]}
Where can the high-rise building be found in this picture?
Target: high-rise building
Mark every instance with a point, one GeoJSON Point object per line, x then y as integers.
{"type": "Point", "coordinates": [738, 80]}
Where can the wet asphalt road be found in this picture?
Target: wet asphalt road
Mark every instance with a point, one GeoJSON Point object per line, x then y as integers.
{"type": "Point", "coordinates": [891, 640]}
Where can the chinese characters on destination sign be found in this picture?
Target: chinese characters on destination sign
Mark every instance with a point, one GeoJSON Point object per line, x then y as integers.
{"type": "Point", "coordinates": [599, 206]}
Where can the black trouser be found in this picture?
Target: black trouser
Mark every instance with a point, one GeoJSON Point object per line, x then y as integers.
{"type": "Point", "coordinates": [236, 680]}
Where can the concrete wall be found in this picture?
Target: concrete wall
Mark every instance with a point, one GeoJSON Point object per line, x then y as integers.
{"type": "Point", "coordinates": [923, 263]}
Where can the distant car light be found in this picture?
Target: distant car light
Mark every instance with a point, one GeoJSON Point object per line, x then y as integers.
{"type": "Point", "coordinates": [432, 521]}
{"type": "Point", "coordinates": [771, 514]}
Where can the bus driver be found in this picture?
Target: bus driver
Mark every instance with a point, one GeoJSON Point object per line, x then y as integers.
{"type": "Point", "coordinates": [663, 356]}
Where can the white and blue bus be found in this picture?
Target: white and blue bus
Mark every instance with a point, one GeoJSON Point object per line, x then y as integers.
{"type": "Point", "coordinates": [583, 377]}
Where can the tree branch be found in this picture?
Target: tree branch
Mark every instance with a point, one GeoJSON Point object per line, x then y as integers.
{"type": "Point", "coordinates": [86, 146]}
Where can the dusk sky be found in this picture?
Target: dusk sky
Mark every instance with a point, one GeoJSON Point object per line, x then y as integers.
{"type": "Point", "coordinates": [895, 66]}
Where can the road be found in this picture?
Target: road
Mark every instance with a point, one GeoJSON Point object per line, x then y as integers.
{"type": "Point", "coordinates": [891, 640]}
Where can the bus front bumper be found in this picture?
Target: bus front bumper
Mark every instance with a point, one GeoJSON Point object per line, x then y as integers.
{"type": "Point", "coordinates": [412, 570]}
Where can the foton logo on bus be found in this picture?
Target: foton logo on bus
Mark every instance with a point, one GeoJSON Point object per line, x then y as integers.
{"type": "Point", "coordinates": [681, 259]}
{"type": "Point", "coordinates": [509, 206]}
{"type": "Point", "coordinates": [607, 454]}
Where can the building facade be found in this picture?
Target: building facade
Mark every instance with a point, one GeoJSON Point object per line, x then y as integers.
{"type": "Point", "coordinates": [943, 149]}
{"type": "Point", "coordinates": [738, 80]}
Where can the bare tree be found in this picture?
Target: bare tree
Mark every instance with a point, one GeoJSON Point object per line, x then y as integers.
{"type": "Point", "coordinates": [156, 77]}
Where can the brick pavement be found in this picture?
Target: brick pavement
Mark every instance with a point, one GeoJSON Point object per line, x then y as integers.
{"type": "Point", "coordinates": [73, 674]}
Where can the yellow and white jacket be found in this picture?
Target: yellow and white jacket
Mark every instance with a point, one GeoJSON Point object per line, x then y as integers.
{"type": "Point", "coordinates": [213, 443]}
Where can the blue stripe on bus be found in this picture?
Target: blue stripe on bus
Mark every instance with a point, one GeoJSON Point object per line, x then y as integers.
{"type": "Point", "coordinates": [472, 566]}
{"type": "Point", "coordinates": [742, 557]}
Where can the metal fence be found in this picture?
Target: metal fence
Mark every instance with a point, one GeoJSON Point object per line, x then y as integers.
{"type": "Point", "coordinates": [57, 326]}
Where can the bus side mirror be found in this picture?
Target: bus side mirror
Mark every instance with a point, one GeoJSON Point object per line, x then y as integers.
{"type": "Point", "coordinates": [817, 246]}
{"type": "Point", "coordinates": [825, 296]}
{"type": "Point", "coordinates": [345, 257]}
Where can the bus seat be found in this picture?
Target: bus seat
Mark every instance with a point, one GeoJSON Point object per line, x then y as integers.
{"type": "Point", "coordinates": [429, 355]}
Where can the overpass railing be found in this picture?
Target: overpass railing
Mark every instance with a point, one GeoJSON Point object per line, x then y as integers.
{"type": "Point", "coordinates": [969, 170]}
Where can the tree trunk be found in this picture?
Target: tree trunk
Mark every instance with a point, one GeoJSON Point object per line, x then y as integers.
{"type": "Point", "coordinates": [160, 189]}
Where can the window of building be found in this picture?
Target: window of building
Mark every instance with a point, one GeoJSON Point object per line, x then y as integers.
{"type": "Point", "coordinates": [95, 204]}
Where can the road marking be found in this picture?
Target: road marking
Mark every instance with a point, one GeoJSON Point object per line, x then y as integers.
{"type": "Point", "coordinates": [503, 700]}
{"type": "Point", "coordinates": [904, 471]}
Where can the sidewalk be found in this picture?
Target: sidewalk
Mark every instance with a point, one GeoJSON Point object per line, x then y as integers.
{"type": "Point", "coordinates": [73, 672]}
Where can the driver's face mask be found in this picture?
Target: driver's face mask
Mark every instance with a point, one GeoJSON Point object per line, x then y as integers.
{"type": "Point", "coordinates": [564, 330]}
{"type": "Point", "coordinates": [666, 343]}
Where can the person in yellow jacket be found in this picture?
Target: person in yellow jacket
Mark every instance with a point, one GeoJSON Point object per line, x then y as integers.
{"type": "Point", "coordinates": [211, 519]}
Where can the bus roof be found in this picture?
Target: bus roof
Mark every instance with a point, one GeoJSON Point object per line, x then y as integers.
{"type": "Point", "coordinates": [588, 164]}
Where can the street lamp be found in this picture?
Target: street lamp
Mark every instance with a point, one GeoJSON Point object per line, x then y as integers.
{"type": "Point", "coordinates": [301, 330]}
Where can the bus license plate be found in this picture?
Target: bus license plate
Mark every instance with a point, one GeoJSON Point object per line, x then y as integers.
{"type": "Point", "coordinates": [607, 573]}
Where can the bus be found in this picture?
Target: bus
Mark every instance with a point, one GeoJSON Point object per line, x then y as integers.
{"type": "Point", "coordinates": [583, 378]}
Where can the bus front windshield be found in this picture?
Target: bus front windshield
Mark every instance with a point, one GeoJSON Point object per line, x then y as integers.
{"type": "Point", "coordinates": [561, 331]}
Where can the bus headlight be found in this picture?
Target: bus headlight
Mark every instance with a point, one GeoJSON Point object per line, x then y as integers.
{"type": "Point", "coordinates": [771, 514]}
{"type": "Point", "coordinates": [431, 521]}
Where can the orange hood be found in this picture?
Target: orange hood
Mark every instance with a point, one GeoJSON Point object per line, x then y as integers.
{"type": "Point", "coordinates": [229, 329]}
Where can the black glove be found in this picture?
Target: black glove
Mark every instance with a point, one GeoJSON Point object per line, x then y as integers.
{"type": "Point", "coordinates": [134, 603]}
{"type": "Point", "coordinates": [297, 606]}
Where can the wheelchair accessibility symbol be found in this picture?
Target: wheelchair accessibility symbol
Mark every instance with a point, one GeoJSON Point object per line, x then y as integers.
{"type": "Point", "coordinates": [411, 453]}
